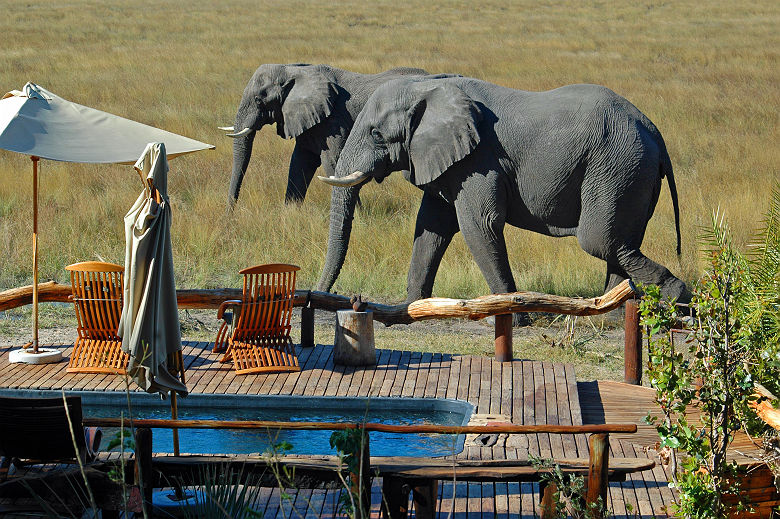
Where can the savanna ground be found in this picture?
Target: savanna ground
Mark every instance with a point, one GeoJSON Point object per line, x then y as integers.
{"type": "Point", "coordinates": [705, 73]}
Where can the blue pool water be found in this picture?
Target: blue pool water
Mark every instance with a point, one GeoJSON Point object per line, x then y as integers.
{"type": "Point", "coordinates": [405, 411]}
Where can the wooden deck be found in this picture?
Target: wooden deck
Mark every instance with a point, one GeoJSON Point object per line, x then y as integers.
{"type": "Point", "coordinates": [523, 392]}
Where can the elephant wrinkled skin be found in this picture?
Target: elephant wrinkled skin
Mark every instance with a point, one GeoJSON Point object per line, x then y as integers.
{"type": "Point", "coordinates": [314, 104]}
{"type": "Point", "coordinates": [575, 161]}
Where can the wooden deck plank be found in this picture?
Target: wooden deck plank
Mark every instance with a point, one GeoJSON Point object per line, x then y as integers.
{"type": "Point", "coordinates": [307, 386]}
{"type": "Point", "coordinates": [564, 408]}
{"type": "Point", "coordinates": [423, 371]}
{"type": "Point", "coordinates": [496, 385]}
{"type": "Point", "coordinates": [434, 368]}
{"type": "Point", "coordinates": [346, 380]}
{"type": "Point", "coordinates": [328, 372]}
{"type": "Point", "coordinates": [475, 376]}
{"type": "Point", "coordinates": [484, 384]}
{"type": "Point", "coordinates": [382, 367]}
{"type": "Point", "coordinates": [413, 369]}
{"type": "Point", "coordinates": [456, 362]}
{"type": "Point", "coordinates": [390, 370]}
{"type": "Point", "coordinates": [400, 374]}
{"type": "Point", "coordinates": [369, 374]}
{"type": "Point", "coordinates": [442, 381]}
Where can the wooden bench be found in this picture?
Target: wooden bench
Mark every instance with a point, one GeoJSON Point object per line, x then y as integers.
{"type": "Point", "coordinates": [400, 474]}
{"type": "Point", "coordinates": [422, 477]}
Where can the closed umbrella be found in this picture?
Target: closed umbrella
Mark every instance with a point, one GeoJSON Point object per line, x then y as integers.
{"type": "Point", "coordinates": [149, 326]}
{"type": "Point", "coordinates": [41, 124]}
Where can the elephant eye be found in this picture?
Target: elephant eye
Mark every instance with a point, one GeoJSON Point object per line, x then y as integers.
{"type": "Point", "coordinates": [377, 136]}
{"type": "Point", "coordinates": [258, 100]}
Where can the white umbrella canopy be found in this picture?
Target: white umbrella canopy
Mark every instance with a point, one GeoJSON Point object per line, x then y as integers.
{"type": "Point", "coordinates": [41, 124]}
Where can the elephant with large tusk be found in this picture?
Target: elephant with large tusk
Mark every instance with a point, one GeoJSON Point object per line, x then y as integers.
{"type": "Point", "coordinates": [314, 104]}
{"type": "Point", "coordinates": [575, 161]}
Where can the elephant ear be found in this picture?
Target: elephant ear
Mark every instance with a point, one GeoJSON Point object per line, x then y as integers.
{"type": "Point", "coordinates": [309, 100]}
{"type": "Point", "coordinates": [442, 130]}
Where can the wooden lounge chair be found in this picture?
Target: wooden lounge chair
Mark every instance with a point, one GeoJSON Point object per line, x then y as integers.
{"type": "Point", "coordinates": [37, 430]}
{"type": "Point", "coordinates": [256, 336]}
{"type": "Point", "coordinates": [97, 296]}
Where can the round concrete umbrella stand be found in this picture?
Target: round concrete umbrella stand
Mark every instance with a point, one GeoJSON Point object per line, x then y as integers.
{"type": "Point", "coordinates": [166, 503]}
{"type": "Point", "coordinates": [28, 356]}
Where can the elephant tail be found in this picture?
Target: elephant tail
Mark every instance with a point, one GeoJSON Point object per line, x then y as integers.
{"type": "Point", "coordinates": [666, 171]}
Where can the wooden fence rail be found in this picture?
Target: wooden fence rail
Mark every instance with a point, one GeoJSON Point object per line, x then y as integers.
{"type": "Point", "coordinates": [499, 305]}
{"type": "Point", "coordinates": [400, 471]}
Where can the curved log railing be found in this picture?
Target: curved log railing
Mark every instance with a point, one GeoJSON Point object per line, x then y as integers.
{"type": "Point", "coordinates": [406, 313]}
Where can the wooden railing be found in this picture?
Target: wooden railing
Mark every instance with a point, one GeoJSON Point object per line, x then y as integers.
{"type": "Point", "coordinates": [499, 305]}
{"type": "Point", "coordinates": [421, 475]}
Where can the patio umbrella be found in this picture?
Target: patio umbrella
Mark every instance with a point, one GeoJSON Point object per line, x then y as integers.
{"type": "Point", "coordinates": [149, 326]}
{"type": "Point", "coordinates": [41, 124]}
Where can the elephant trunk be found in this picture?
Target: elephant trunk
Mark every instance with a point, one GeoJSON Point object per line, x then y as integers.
{"type": "Point", "coordinates": [342, 211]}
{"type": "Point", "coordinates": [242, 152]}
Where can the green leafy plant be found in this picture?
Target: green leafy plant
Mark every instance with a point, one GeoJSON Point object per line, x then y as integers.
{"type": "Point", "coordinates": [731, 344]}
{"type": "Point", "coordinates": [350, 443]}
{"type": "Point", "coordinates": [569, 492]}
{"type": "Point", "coordinates": [223, 493]}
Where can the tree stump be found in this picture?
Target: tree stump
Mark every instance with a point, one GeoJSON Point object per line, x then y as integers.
{"type": "Point", "coordinates": [354, 341]}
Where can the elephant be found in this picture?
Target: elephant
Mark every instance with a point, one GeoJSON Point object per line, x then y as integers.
{"type": "Point", "coordinates": [314, 104]}
{"type": "Point", "coordinates": [579, 160]}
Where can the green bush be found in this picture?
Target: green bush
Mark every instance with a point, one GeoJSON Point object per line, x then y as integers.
{"type": "Point", "coordinates": [732, 344]}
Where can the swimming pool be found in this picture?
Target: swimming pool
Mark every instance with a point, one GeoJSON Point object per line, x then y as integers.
{"type": "Point", "coordinates": [403, 411]}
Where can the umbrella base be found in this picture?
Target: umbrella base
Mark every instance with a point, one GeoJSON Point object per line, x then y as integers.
{"type": "Point", "coordinates": [166, 503]}
{"type": "Point", "coordinates": [26, 356]}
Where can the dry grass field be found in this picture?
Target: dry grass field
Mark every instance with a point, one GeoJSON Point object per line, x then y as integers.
{"type": "Point", "coordinates": [705, 72]}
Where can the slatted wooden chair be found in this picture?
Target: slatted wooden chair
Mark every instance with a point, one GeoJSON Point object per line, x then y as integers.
{"type": "Point", "coordinates": [97, 296]}
{"type": "Point", "coordinates": [37, 430]}
{"type": "Point", "coordinates": [256, 336]}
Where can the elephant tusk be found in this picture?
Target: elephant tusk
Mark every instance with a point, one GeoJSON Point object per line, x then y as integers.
{"type": "Point", "coordinates": [241, 133]}
{"type": "Point", "coordinates": [226, 128]}
{"type": "Point", "coordinates": [350, 180]}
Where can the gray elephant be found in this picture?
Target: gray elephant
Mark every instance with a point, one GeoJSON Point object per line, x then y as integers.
{"type": "Point", "coordinates": [575, 161]}
{"type": "Point", "coordinates": [314, 104]}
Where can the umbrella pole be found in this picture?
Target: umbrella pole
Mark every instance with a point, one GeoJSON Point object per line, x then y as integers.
{"type": "Point", "coordinates": [175, 416]}
{"type": "Point", "coordinates": [35, 255]}
{"type": "Point", "coordinates": [178, 360]}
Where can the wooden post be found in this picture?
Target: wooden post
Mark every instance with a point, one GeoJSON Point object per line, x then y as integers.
{"type": "Point", "coordinates": [547, 504]}
{"type": "Point", "coordinates": [504, 338]}
{"type": "Point", "coordinates": [307, 327]}
{"type": "Point", "coordinates": [632, 353]}
{"type": "Point", "coordinates": [143, 465]}
{"type": "Point", "coordinates": [395, 498]}
{"type": "Point", "coordinates": [354, 341]}
{"type": "Point", "coordinates": [35, 255]}
{"type": "Point", "coordinates": [598, 473]}
{"type": "Point", "coordinates": [361, 482]}
{"type": "Point", "coordinates": [425, 495]}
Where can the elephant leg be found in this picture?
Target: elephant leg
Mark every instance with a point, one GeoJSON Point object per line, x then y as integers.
{"type": "Point", "coordinates": [303, 164]}
{"type": "Point", "coordinates": [437, 223]}
{"type": "Point", "coordinates": [481, 211]}
{"type": "Point", "coordinates": [644, 270]}
{"type": "Point", "coordinates": [483, 231]}
{"type": "Point", "coordinates": [628, 261]}
{"type": "Point", "coordinates": [615, 276]}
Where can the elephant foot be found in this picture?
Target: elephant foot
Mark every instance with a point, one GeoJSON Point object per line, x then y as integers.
{"type": "Point", "coordinates": [519, 320]}
{"type": "Point", "coordinates": [674, 289]}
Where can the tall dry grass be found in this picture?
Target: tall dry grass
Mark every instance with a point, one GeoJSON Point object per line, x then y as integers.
{"type": "Point", "coordinates": [705, 73]}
